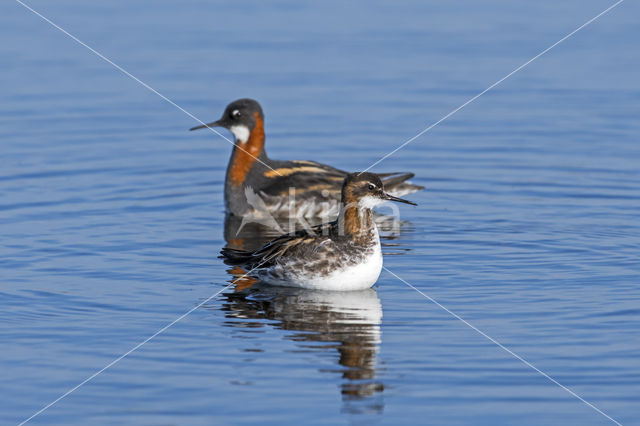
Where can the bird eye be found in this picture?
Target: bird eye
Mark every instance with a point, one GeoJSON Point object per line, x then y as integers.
{"type": "Point", "coordinates": [371, 187]}
{"type": "Point", "coordinates": [235, 114]}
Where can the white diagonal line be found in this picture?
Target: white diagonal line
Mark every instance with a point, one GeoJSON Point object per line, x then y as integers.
{"type": "Point", "coordinates": [501, 346]}
{"type": "Point", "coordinates": [136, 79]}
{"type": "Point", "coordinates": [386, 156]}
{"type": "Point", "coordinates": [408, 141]}
{"type": "Point", "coordinates": [115, 361]}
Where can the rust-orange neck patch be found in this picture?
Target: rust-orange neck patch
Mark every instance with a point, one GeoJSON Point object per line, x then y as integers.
{"type": "Point", "coordinates": [246, 154]}
{"type": "Point", "coordinates": [354, 222]}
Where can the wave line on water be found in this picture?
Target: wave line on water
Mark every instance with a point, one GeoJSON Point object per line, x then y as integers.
{"type": "Point", "coordinates": [408, 141]}
{"type": "Point", "coordinates": [137, 80]}
{"type": "Point", "coordinates": [501, 346]}
{"type": "Point", "coordinates": [115, 361]}
{"type": "Point", "coordinates": [139, 345]}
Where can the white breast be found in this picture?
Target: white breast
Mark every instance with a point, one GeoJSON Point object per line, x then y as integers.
{"type": "Point", "coordinates": [354, 277]}
{"type": "Point", "coordinates": [357, 277]}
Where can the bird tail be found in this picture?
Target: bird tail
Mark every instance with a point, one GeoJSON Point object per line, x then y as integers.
{"type": "Point", "coordinates": [233, 256]}
{"type": "Point", "coordinates": [396, 183]}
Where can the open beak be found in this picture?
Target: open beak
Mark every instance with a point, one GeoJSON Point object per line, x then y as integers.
{"type": "Point", "coordinates": [399, 200]}
{"type": "Point", "coordinates": [212, 124]}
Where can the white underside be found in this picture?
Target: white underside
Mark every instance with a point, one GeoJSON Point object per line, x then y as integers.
{"type": "Point", "coordinates": [351, 278]}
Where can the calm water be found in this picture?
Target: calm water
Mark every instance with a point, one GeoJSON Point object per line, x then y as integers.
{"type": "Point", "coordinates": [111, 215]}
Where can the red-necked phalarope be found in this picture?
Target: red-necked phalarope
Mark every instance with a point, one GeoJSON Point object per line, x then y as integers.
{"type": "Point", "coordinates": [341, 255]}
{"type": "Point", "coordinates": [285, 188]}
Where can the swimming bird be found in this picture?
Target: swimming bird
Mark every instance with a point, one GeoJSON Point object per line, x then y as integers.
{"type": "Point", "coordinates": [256, 184]}
{"type": "Point", "coordinates": [341, 255]}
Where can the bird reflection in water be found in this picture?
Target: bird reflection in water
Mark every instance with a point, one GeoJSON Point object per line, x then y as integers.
{"type": "Point", "coordinates": [348, 322]}
{"type": "Point", "coordinates": [321, 321]}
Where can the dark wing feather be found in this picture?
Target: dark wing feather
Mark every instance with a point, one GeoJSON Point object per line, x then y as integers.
{"type": "Point", "coordinates": [396, 183]}
{"type": "Point", "coordinates": [307, 179]}
{"type": "Point", "coordinates": [316, 181]}
{"type": "Point", "coordinates": [392, 181]}
{"type": "Point", "coordinates": [326, 167]}
{"type": "Point", "coordinates": [267, 254]}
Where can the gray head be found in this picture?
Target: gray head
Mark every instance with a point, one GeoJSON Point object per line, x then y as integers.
{"type": "Point", "coordinates": [366, 190]}
{"type": "Point", "coordinates": [241, 117]}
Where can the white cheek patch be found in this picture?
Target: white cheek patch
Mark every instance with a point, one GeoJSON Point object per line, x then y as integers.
{"type": "Point", "coordinates": [369, 202]}
{"type": "Point", "coordinates": [241, 133]}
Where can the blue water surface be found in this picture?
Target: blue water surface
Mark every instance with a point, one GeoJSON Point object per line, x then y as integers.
{"type": "Point", "coordinates": [112, 215]}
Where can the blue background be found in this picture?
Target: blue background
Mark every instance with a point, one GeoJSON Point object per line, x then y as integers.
{"type": "Point", "coordinates": [111, 212]}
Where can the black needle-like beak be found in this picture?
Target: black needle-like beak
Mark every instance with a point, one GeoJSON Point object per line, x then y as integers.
{"type": "Point", "coordinates": [399, 200]}
{"type": "Point", "coordinates": [212, 124]}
